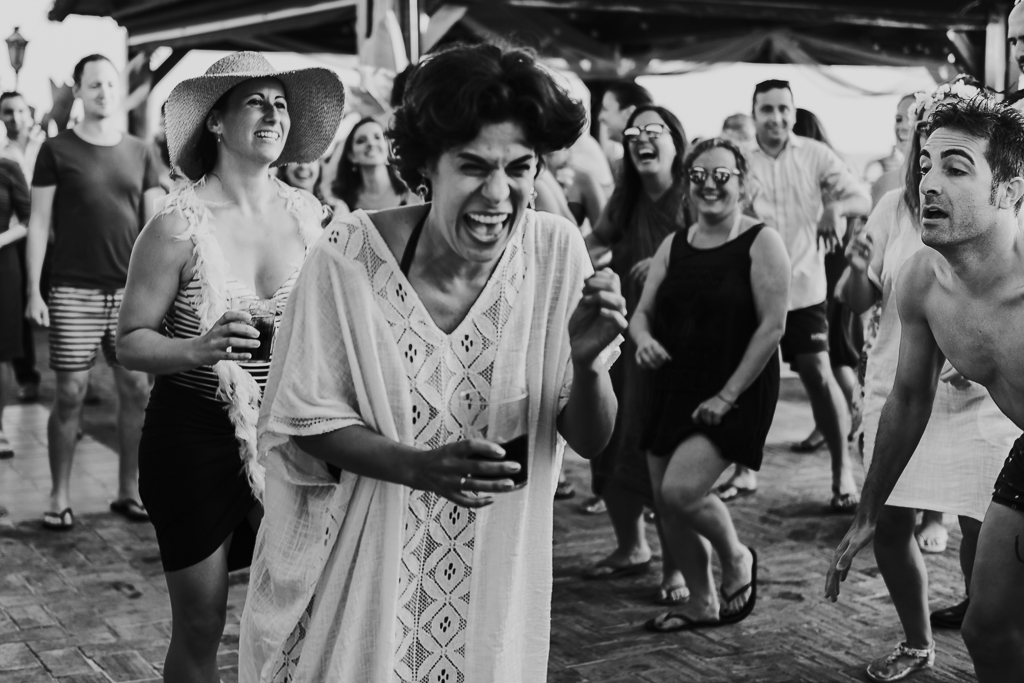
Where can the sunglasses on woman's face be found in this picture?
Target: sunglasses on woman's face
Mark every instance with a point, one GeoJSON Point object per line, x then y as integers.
{"type": "Point", "coordinates": [653, 130]}
{"type": "Point", "coordinates": [720, 175]}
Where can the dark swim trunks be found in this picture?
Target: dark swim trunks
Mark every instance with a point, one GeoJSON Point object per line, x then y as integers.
{"type": "Point", "coordinates": [1009, 489]}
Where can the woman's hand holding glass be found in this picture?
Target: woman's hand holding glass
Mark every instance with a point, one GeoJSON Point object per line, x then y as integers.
{"type": "Point", "coordinates": [599, 318]}
{"type": "Point", "coordinates": [464, 470]}
{"type": "Point", "coordinates": [228, 339]}
{"type": "Point", "coordinates": [650, 354]}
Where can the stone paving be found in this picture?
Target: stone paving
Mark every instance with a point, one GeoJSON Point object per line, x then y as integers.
{"type": "Point", "coordinates": [90, 605]}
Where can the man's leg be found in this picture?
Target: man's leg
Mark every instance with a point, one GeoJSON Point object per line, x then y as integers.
{"type": "Point", "coordinates": [994, 627]}
{"type": "Point", "coordinates": [132, 397]}
{"type": "Point", "coordinates": [971, 529]}
{"type": "Point", "coordinates": [62, 433]}
{"type": "Point", "coordinates": [830, 414]}
{"type": "Point", "coordinates": [626, 512]}
{"type": "Point", "coordinates": [903, 569]}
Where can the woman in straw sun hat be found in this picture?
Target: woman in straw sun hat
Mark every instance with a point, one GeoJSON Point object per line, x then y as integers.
{"type": "Point", "coordinates": [231, 235]}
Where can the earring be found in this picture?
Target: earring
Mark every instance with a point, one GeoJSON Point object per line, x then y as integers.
{"type": "Point", "coordinates": [533, 199]}
{"type": "Point", "coordinates": [422, 190]}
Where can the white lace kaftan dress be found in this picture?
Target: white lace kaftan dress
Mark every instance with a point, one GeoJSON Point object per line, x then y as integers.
{"type": "Point", "coordinates": [967, 438]}
{"type": "Point", "coordinates": [363, 580]}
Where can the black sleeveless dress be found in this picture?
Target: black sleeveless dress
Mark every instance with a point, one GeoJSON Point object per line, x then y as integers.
{"type": "Point", "coordinates": [705, 317]}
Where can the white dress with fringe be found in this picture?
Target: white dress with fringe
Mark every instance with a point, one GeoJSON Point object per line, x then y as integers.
{"type": "Point", "coordinates": [362, 580]}
{"type": "Point", "coordinates": [236, 386]}
{"type": "Point", "coordinates": [967, 438]}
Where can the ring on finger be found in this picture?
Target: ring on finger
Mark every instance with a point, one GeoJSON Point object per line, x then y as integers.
{"type": "Point", "coordinates": [462, 484]}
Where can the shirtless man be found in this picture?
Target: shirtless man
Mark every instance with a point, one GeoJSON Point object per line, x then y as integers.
{"type": "Point", "coordinates": [963, 300]}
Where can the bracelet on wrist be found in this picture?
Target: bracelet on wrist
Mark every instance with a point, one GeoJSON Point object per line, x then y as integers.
{"type": "Point", "coordinates": [732, 404]}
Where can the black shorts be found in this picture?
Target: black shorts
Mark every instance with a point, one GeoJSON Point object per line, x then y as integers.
{"type": "Point", "coordinates": [1009, 489]}
{"type": "Point", "coordinates": [806, 332]}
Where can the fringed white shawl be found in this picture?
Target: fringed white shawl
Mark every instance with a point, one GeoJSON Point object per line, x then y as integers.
{"type": "Point", "coordinates": [324, 585]}
{"type": "Point", "coordinates": [236, 386]}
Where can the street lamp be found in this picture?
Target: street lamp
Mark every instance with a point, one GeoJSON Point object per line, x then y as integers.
{"type": "Point", "coordinates": [16, 51]}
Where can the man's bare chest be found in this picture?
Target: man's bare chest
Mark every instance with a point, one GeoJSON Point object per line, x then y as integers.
{"type": "Point", "coordinates": [984, 341]}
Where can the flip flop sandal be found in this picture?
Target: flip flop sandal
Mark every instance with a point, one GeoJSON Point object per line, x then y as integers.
{"type": "Point", "coordinates": [844, 502]}
{"type": "Point", "coordinates": [934, 544]}
{"type": "Point", "coordinates": [809, 445]}
{"type": "Point", "coordinates": [130, 509]}
{"type": "Point", "coordinates": [603, 572]}
{"type": "Point", "coordinates": [728, 492]}
{"type": "Point", "coordinates": [748, 606]}
{"type": "Point", "coordinates": [902, 662]}
{"type": "Point", "coordinates": [59, 521]}
{"type": "Point", "coordinates": [951, 617]}
{"type": "Point", "coordinates": [659, 624]}
{"type": "Point", "coordinates": [672, 595]}
{"type": "Point", "coordinates": [594, 505]}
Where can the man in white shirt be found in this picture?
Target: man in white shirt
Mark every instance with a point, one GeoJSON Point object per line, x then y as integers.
{"type": "Point", "coordinates": [803, 189]}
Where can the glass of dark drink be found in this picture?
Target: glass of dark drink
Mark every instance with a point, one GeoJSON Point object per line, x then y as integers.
{"type": "Point", "coordinates": [503, 420]}
{"type": "Point", "coordinates": [264, 315]}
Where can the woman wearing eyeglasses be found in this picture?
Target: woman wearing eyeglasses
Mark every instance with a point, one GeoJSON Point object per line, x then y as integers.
{"type": "Point", "coordinates": [649, 203]}
{"type": "Point", "coordinates": [710, 320]}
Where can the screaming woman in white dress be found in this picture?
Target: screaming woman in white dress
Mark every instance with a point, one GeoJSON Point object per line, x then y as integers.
{"type": "Point", "coordinates": [357, 579]}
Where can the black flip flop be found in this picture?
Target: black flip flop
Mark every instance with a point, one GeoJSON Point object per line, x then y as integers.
{"type": "Point", "coordinates": [59, 521]}
{"type": "Point", "coordinates": [748, 606]}
{"type": "Point", "coordinates": [616, 572]}
{"type": "Point", "coordinates": [130, 509]}
{"type": "Point", "coordinates": [686, 623]}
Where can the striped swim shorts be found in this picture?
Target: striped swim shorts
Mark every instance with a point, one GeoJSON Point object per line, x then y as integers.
{"type": "Point", "coordinates": [82, 321]}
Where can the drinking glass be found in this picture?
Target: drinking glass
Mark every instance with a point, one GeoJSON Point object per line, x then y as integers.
{"type": "Point", "coordinates": [502, 420]}
{"type": "Point", "coordinates": [264, 314]}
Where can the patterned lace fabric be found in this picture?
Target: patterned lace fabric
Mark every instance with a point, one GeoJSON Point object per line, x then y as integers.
{"type": "Point", "coordinates": [439, 536]}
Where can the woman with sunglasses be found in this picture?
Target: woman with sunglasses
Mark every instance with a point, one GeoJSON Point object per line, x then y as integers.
{"type": "Point", "coordinates": [649, 203]}
{"type": "Point", "coordinates": [709, 322]}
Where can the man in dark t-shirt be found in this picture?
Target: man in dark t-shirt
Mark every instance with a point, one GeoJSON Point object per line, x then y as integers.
{"type": "Point", "coordinates": [99, 185]}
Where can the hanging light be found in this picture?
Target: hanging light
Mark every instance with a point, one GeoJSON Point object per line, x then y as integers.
{"type": "Point", "coordinates": [16, 44]}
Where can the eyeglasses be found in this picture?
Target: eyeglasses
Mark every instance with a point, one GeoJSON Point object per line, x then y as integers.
{"type": "Point", "coordinates": [653, 130]}
{"type": "Point", "coordinates": [720, 175]}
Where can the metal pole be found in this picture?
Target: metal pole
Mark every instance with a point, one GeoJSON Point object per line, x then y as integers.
{"type": "Point", "coordinates": [995, 51]}
{"type": "Point", "coordinates": [414, 31]}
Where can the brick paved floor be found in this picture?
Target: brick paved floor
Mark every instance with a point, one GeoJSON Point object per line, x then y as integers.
{"type": "Point", "coordinates": [90, 605]}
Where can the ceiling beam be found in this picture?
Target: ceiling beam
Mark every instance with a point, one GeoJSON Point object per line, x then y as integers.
{"type": "Point", "coordinates": [773, 10]}
{"type": "Point", "coordinates": [293, 15]}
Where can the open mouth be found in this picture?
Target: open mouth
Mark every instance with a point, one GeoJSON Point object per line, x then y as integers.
{"type": "Point", "coordinates": [933, 213]}
{"type": "Point", "coordinates": [268, 135]}
{"type": "Point", "coordinates": [646, 154]}
{"type": "Point", "coordinates": [710, 195]}
{"type": "Point", "coordinates": [488, 227]}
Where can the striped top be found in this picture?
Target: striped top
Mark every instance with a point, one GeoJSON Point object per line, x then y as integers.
{"type": "Point", "coordinates": [789, 193]}
{"type": "Point", "coordinates": [182, 322]}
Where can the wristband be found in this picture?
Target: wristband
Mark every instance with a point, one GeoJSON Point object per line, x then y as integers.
{"type": "Point", "coordinates": [732, 404]}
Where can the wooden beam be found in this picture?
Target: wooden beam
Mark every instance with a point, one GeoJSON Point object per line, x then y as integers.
{"type": "Point", "coordinates": [772, 10]}
{"type": "Point", "coordinates": [293, 16]}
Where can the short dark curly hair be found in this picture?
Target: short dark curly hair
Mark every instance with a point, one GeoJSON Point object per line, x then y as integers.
{"type": "Point", "coordinates": [1002, 127]}
{"type": "Point", "coordinates": [453, 93]}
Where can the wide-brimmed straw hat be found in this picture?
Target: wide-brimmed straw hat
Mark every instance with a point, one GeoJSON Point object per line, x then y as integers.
{"type": "Point", "coordinates": [316, 101]}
